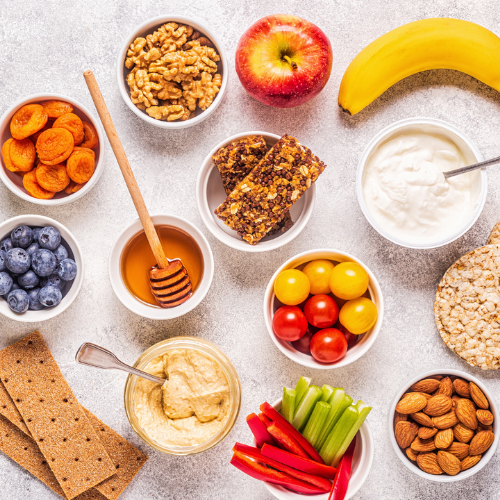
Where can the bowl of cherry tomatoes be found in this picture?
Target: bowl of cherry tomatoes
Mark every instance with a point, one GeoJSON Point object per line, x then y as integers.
{"type": "Point", "coordinates": [323, 308]}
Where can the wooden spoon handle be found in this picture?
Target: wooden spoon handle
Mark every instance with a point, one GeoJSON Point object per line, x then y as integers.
{"type": "Point", "coordinates": [128, 175]}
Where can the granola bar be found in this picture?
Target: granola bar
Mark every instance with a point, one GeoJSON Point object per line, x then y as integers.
{"type": "Point", "coordinates": [272, 187]}
{"type": "Point", "coordinates": [236, 160]}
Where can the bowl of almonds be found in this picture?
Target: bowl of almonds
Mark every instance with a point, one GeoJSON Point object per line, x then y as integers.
{"type": "Point", "coordinates": [443, 425]}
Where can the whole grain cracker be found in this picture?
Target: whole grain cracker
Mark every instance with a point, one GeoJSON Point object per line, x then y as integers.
{"type": "Point", "coordinates": [53, 416]}
{"type": "Point", "coordinates": [494, 236]}
{"type": "Point", "coordinates": [467, 306]}
{"type": "Point", "coordinates": [10, 412]}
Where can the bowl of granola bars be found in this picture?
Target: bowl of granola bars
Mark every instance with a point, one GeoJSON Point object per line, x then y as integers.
{"type": "Point", "coordinates": [255, 191]}
{"type": "Point", "coordinates": [172, 72]}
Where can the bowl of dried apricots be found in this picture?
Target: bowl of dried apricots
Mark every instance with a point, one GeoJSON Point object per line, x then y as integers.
{"type": "Point", "coordinates": [52, 149]}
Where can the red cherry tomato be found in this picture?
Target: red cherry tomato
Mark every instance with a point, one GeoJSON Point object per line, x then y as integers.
{"type": "Point", "coordinates": [321, 311]}
{"type": "Point", "coordinates": [304, 343]}
{"type": "Point", "coordinates": [352, 339]}
{"type": "Point", "coordinates": [289, 323]}
{"type": "Point", "coordinates": [328, 345]}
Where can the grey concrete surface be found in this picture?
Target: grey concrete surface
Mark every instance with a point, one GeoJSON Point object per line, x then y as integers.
{"type": "Point", "coordinates": [46, 45]}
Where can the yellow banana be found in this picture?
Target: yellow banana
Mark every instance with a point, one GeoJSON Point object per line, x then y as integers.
{"type": "Point", "coordinates": [438, 43]}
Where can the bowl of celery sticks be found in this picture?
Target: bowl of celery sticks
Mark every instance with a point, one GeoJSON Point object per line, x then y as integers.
{"type": "Point", "coordinates": [314, 441]}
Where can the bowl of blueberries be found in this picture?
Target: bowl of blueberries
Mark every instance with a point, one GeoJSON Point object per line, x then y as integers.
{"type": "Point", "coordinates": [41, 268]}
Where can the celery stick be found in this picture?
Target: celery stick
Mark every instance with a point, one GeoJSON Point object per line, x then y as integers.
{"type": "Point", "coordinates": [327, 391]}
{"type": "Point", "coordinates": [316, 422]}
{"type": "Point", "coordinates": [339, 401]}
{"type": "Point", "coordinates": [288, 403]}
{"type": "Point", "coordinates": [363, 411]}
{"type": "Point", "coordinates": [301, 389]}
{"type": "Point", "coordinates": [338, 434]}
{"type": "Point", "coordinates": [306, 407]}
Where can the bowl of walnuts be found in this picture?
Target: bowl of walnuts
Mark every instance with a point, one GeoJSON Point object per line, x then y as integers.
{"type": "Point", "coordinates": [443, 425]}
{"type": "Point", "coordinates": [172, 72]}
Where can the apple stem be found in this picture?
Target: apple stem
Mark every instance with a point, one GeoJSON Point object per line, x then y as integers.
{"type": "Point", "coordinates": [292, 63]}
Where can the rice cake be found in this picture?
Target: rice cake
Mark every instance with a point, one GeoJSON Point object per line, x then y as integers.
{"type": "Point", "coordinates": [494, 236]}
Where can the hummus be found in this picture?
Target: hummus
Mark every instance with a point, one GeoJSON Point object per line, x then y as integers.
{"type": "Point", "coordinates": [191, 406]}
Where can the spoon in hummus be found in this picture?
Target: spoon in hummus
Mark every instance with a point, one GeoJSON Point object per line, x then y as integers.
{"type": "Point", "coordinates": [470, 168]}
{"type": "Point", "coordinates": [94, 355]}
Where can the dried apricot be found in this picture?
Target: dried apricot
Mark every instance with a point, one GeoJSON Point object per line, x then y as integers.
{"type": "Point", "coordinates": [91, 139]}
{"type": "Point", "coordinates": [73, 187]}
{"type": "Point", "coordinates": [28, 120]}
{"type": "Point", "coordinates": [88, 150]}
{"type": "Point", "coordinates": [34, 137]}
{"type": "Point", "coordinates": [34, 189]}
{"type": "Point", "coordinates": [54, 145]}
{"type": "Point", "coordinates": [55, 109]}
{"type": "Point", "coordinates": [22, 154]}
{"type": "Point", "coordinates": [53, 178]}
{"type": "Point", "coordinates": [71, 122]}
{"type": "Point", "coordinates": [80, 166]}
{"type": "Point", "coordinates": [6, 156]}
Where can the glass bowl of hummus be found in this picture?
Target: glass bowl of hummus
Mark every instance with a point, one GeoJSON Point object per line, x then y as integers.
{"type": "Point", "coordinates": [195, 408]}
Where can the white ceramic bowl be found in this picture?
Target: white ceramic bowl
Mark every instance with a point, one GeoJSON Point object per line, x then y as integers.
{"type": "Point", "coordinates": [443, 478]}
{"type": "Point", "coordinates": [70, 291]}
{"type": "Point", "coordinates": [15, 182]}
{"type": "Point", "coordinates": [361, 465]}
{"type": "Point", "coordinates": [210, 194]}
{"type": "Point", "coordinates": [147, 311]}
{"type": "Point", "coordinates": [352, 354]}
{"type": "Point", "coordinates": [465, 145]}
{"type": "Point", "coordinates": [145, 29]}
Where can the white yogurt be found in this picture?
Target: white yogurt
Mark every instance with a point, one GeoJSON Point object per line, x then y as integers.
{"type": "Point", "coordinates": [405, 190]}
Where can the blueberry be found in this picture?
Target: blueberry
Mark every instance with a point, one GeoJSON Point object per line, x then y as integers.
{"type": "Point", "coordinates": [32, 248]}
{"type": "Point", "coordinates": [49, 296]}
{"type": "Point", "coordinates": [67, 269]}
{"type": "Point", "coordinates": [28, 280]}
{"type": "Point", "coordinates": [33, 298]}
{"type": "Point", "coordinates": [36, 232]}
{"type": "Point", "coordinates": [6, 245]}
{"type": "Point", "coordinates": [54, 280]}
{"type": "Point", "coordinates": [17, 260]}
{"type": "Point", "coordinates": [49, 238]}
{"type": "Point", "coordinates": [61, 253]}
{"type": "Point", "coordinates": [2, 261]}
{"type": "Point", "coordinates": [18, 301]}
{"type": "Point", "coordinates": [22, 236]}
{"type": "Point", "coordinates": [6, 283]}
{"type": "Point", "coordinates": [43, 262]}
{"type": "Point", "coordinates": [15, 286]}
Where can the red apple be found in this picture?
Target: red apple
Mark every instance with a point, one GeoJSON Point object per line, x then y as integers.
{"type": "Point", "coordinates": [283, 60]}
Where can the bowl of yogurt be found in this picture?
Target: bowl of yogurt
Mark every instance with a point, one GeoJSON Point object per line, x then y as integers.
{"type": "Point", "coordinates": [402, 190]}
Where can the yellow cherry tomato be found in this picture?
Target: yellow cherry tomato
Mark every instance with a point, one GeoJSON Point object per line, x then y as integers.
{"type": "Point", "coordinates": [292, 287]}
{"type": "Point", "coordinates": [318, 272]}
{"type": "Point", "coordinates": [348, 281]}
{"type": "Point", "coordinates": [358, 315]}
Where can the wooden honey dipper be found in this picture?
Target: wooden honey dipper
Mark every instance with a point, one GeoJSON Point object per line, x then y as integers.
{"type": "Point", "coordinates": [169, 280]}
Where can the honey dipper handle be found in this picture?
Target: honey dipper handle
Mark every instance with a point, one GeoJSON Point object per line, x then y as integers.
{"type": "Point", "coordinates": [128, 175]}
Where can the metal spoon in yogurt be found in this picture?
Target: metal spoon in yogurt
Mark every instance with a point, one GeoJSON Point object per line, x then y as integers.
{"type": "Point", "coordinates": [470, 168]}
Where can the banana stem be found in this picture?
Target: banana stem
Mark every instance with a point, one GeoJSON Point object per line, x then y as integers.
{"type": "Point", "coordinates": [293, 64]}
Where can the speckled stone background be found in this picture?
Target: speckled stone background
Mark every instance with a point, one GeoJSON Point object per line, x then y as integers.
{"type": "Point", "coordinates": [46, 46]}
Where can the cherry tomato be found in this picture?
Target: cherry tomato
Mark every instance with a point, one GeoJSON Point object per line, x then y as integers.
{"type": "Point", "coordinates": [304, 343]}
{"type": "Point", "coordinates": [328, 345]}
{"type": "Point", "coordinates": [358, 315]}
{"type": "Point", "coordinates": [352, 339]}
{"type": "Point", "coordinates": [321, 311]}
{"type": "Point", "coordinates": [289, 323]}
{"type": "Point", "coordinates": [318, 272]}
{"type": "Point", "coordinates": [348, 280]}
{"type": "Point", "coordinates": [292, 287]}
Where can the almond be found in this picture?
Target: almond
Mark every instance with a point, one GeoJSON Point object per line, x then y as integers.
{"type": "Point", "coordinates": [422, 419]}
{"type": "Point", "coordinates": [428, 463]}
{"type": "Point", "coordinates": [460, 450]}
{"type": "Point", "coordinates": [478, 396]}
{"type": "Point", "coordinates": [480, 442]}
{"type": "Point", "coordinates": [449, 463]}
{"type": "Point", "coordinates": [445, 421]}
{"type": "Point", "coordinates": [466, 413]}
{"type": "Point", "coordinates": [423, 445]}
{"type": "Point", "coordinates": [482, 427]}
{"type": "Point", "coordinates": [426, 432]}
{"type": "Point", "coordinates": [443, 438]}
{"type": "Point", "coordinates": [425, 395]}
{"type": "Point", "coordinates": [438, 405]}
{"type": "Point", "coordinates": [485, 417]}
{"type": "Point", "coordinates": [462, 433]}
{"type": "Point", "coordinates": [445, 387]}
{"type": "Point", "coordinates": [461, 388]}
{"type": "Point", "coordinates": [469, 462]}
{"type": "Point", "coordinates": [437, 377]}
{"type": "Point", "coordinates": [405, 433]}
{"type": "Point", "coordinates": [455, 399]}
{"type": "Point", "coordinates": [411, 454]}
{"type": "Point", "coordinates": [411, 403]}
{"type": "Point", "coordinates": [427, 385]}
{"type": "Point", "coordinates": [399, 417]}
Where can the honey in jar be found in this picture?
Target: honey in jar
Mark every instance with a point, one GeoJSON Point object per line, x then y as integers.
{"type": "Point", "coordinates": [137, 259]}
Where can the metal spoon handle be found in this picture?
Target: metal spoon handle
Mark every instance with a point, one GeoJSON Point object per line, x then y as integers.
{"type": "Point", "coordinates": [94, 355]}
{"type": "Point", "coordinates": [470, 168]}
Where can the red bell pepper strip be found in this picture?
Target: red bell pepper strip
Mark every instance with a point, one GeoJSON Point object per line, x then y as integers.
{"type": "Point", "coordinates": [252, 452]}
{"type": "Point", "coordinates": [341, 483]}
{"type": "Point", "coordinates": [263, 473]}
{"type": "Point", "coordinates": [266, 421]}
{"type": "Point", "coordinates": [271, 413]}
{"type": "Point", "coordinates": [286, 440]}
{"type": "Point", "coordinates": [259, 430]}
{"type": "Point", "coordinates": [303, 464]}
